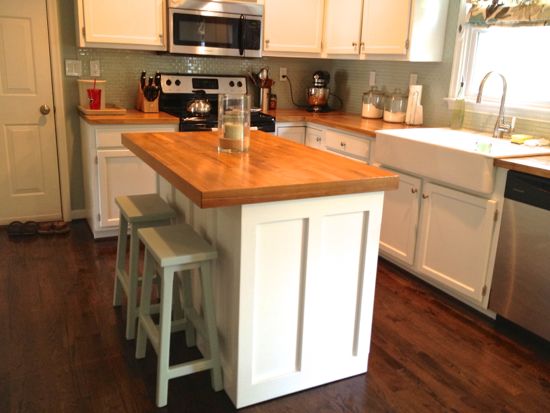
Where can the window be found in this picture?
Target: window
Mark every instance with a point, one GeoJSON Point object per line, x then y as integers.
{"type": "Point", "coordinates": [518, 53]}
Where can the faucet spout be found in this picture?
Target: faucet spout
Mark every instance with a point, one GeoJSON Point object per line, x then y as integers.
{"type": "Point", "coordinates": [500, 125]}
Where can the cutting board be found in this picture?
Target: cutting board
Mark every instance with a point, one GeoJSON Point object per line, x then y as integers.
{"type": "Point", "coordinates": [110, 109]}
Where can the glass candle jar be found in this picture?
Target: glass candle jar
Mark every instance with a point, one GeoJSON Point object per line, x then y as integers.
{"type": "Point", "coordinates": [395, 108]}
{"type": "Point", "coordinates": [234, 123]}
{"type": "Point", "coordinates": [373, 104]}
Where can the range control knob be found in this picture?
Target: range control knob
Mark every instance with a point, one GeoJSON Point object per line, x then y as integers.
{"type": "Point", "coordinates": [178, 82]}
{"type": "Point", "coordinates": [231, 83]}
{"type": "Point", "coordinates": [168, 82]}
{"type": "Point", "coordinates": [240, 84]}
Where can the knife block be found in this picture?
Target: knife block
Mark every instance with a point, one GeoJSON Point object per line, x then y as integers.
{"type": "Point", "coordinates": [145, 105]}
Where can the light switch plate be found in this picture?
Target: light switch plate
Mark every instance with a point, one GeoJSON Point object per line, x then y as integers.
{"type": "Point", "coordinates": [95, 68]}
{"type": "Point", "coordinates": [73, 67]}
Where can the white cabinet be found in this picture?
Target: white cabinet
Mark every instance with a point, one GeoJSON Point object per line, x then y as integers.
{"type": "Point", "coordinates": [385, 26]}
{"type": "Point", "coordinates": [293, 26]}
{"type": "Point", "coordinates": [343, 26]}
{"type": "Point", "coordinates": [445, 236]}
{"type": "Point", "coordinates": [454, 242]}
{"type": "Point", "coordinates": [111, 170]}
{"type": "Point", "coordinates": [400, 219]}
{"type": "Point", "coordinates": [291, 132]}
{"type": "Point", "coordinates": [315, 138]}
{"type": "Point", "coordinates": [128, 24]}
{"type": "Point", "coordinates": [347, 145]}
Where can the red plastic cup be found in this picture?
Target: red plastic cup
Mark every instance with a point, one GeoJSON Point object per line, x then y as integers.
{"type": "Point", "coordinates": [94, 96]}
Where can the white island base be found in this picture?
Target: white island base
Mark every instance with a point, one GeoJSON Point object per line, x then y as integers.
{"type": "Point", "coordinates": [294, 289]}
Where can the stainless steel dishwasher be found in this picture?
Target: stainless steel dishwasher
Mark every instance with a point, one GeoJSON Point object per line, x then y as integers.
{"type": "Point", "coordinates": [520, 289]}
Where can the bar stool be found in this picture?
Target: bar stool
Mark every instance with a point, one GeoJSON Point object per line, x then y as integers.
{"type": "Point", "coordinates": [171, 249]}
{"type": "Point", "coordinates": [139, 211]}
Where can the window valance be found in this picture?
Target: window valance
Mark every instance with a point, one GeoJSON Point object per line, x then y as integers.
{"type": "Point", "coordinates": [509, 13]}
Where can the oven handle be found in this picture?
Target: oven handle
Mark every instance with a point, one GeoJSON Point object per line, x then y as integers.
{"type": "Point", "coordinates": [242, 22]}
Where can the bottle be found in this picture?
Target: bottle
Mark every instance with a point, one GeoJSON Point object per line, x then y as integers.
{"type": "Point", "coordinates": [272, 101]}
{"type": "Point", "coordinates": [457, 111]}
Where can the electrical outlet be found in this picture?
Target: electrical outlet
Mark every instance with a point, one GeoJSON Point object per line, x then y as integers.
{"type": "Point", "coordinates": [95, 69]}
{"type": "Point", "coordinates": [73, 67]}
{"type": "Point", "coordinates": [282, 74]}
{"type": "Point", "coordinates": [413, 78]}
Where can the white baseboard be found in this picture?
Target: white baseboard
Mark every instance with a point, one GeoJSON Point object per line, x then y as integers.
{"type": "Point", "coordinates": [78, 214]}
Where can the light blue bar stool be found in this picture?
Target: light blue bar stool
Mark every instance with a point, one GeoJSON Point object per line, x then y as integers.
{"type": "Point", "coordinates": [138, 211]}
{"type": "Point", "coordinates": [177, 250]}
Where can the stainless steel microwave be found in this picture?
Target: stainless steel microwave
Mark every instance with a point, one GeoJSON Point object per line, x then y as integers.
{"type": "Point", "coordinates": [215, 28]}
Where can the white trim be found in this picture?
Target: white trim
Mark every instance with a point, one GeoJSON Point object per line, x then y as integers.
{"type": "Point", "coordinates": [79, 214]}
{"type": "Point", "coordinates": [59, 104]}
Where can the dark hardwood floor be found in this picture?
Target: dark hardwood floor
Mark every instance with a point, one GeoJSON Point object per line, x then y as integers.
{"type": "Point", "coordinates": [62, 347]}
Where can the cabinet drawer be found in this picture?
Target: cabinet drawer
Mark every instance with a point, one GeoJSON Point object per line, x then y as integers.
{"type": "Point", "coordinates": [347, 145]}
{"type": "Point", "coordinates": [112, 137]}
{"type": "Point", "coordinates": [108, 138]}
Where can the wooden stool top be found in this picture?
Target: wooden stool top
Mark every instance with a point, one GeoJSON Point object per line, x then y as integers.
{"type": "Point", "coordinates": [176, 245]}
{"type": "Point", "coordinates": [146, 207]}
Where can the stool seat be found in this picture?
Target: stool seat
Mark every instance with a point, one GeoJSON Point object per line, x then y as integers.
{"type": "Point", "coordinates": [176, 245]}
{"type": "Point", "coordinates": [146, 207]}
{"type": "Point", "coordinates": [176, 253]}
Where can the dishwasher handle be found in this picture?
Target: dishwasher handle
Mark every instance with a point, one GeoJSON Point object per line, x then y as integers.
{"type": "Point", "coordinates": [528, 189]}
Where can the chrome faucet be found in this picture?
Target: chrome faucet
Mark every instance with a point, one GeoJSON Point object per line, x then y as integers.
{"type": "Point", "coordinates": [501, 127]}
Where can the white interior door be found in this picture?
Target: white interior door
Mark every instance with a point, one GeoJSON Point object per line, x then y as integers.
{"type": "Point", "coordinates": [29, 176]}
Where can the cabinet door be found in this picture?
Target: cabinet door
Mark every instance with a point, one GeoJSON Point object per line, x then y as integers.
{"type": "Point", "coordinates": [315, 138]}
{"type": "Point", "coordinates": [292, 133]}
{"type": "Point", "coordinates": [293, 26]}
{"type": "Point", "coordinates": [385, 26]}
{"type": "Point", "coordinates": [347, 145]}
{"type": "Point", "coordinates": [400, 219]}
{"type": "Point", "coordinates": [455, 239]}
{"type": "Point", "coordinates": [343, 26]}
{"type": "Point", "coordinates": [120, 172]}
{"type": "Point", "coordinates": [129, 23]}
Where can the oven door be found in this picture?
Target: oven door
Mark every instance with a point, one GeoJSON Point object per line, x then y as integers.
{"type": "Point", "coordinates": [214, 33]}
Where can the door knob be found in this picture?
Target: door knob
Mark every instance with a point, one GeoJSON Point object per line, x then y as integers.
{"type": "Point", "coordinates": [44, 109]}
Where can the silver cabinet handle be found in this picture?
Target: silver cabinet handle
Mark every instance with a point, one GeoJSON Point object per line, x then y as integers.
{"type": "Point", "coordinates": [44, 109]}
{"type": "Point", "coordinates": [414, 190]}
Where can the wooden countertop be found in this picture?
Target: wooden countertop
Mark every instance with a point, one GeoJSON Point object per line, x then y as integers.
{"type": "Point", "coordinates": [534, 165]}
{"type": "Point", "coordinates": [274, 169]}
{"type": "Point", "coordinates": [131, 117]}
{"type": "Point", "coordinates": [339, 120]}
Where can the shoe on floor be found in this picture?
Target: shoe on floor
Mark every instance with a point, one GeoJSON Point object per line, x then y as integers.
{"type": "Point", "coordinates": [18, 228]}
{"type": "Point", "coordinates": [55, 227]}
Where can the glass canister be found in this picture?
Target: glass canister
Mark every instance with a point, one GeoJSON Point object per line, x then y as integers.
{"type": "Point", "coordinates": [395, 107]}
{"type": "Point", "coordinates": [234, 123]}
{"type": "Point", "coordinates": [373, 104]}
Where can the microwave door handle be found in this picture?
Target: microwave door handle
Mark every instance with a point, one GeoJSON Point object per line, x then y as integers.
{"type": "Point", "coordinates": [242, 22]}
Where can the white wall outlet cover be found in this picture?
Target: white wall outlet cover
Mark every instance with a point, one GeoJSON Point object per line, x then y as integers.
{"type": "Point", "coordinates": [372, 78]}
{"type": "Point", "coordinates": [95, 68]}
{"type": "Point", "coordinates": [73, 67]}
{"type": "Point", "coordinates": [413, 78]}
{"type": "Point", "coordinates": [282, 74]}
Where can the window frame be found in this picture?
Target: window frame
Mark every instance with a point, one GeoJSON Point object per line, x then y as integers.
{"type": "Point", "coordinates": [465, 48]}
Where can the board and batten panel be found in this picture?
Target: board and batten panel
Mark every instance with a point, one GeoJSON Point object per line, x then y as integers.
{"type": "Point", "coordinates": [308, 271]}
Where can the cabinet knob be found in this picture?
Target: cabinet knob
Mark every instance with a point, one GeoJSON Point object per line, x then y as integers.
{"type": "Point", "coordinates": [354, 44]}
{"type": "Point", "coordinates": [414, 190]}
{"type": "Point", "coordinates": [318, 139]}
{"type": "Point", "coordinates": [343, 144]}
{"type": "Point", "coordinates": [267, 43]}
{"type": "Point", "coordinates": [425, 196]}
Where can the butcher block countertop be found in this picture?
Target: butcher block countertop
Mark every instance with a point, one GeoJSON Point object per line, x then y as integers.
{"type": "Point", "coordinates": [534, 165]}
{"type": "Point", "coordinates": [339, 120]}
{"type": "Point", "coordinates": [274, 169]}
{"type": "Point", "coordinates": [131, 117]}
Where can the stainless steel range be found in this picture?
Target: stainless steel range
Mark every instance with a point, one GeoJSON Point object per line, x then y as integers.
{"type": "Point", "coordinates": [194, 99]}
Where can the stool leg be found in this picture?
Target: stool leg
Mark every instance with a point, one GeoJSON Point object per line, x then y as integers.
{"type": "Point", "coordinates": [120, 266]}
{"type": "Point", "coordinates": [165, 326]}
{"type": "Point", "coordinates": [145, 307]}
{"type": "Point", "coordinates": [190, 335]}
{"type": "Point", "coordinates": [131, 310]}
{"type": "Point", "coordinates": [210, 319]}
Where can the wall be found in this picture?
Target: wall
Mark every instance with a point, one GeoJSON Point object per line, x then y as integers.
{"type": "Point", "coordinates": [121, 69]}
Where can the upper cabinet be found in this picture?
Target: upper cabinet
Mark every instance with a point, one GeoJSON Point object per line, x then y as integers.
{"type": "Point", "coordinates": [411, 30]}
{"type": "Point", "coordinates": [128, 24]}
{"type": "Point", "coordinates": [293, 26]}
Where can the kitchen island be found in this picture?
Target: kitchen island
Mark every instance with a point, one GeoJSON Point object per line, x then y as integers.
{"type": "Point", "coordinates": [297, 232]}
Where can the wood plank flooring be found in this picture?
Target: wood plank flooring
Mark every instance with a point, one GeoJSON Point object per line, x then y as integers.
{"type": "Point", "coordinates": [62, 347]}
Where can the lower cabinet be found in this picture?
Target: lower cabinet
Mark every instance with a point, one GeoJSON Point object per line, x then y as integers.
{"type": "Point", "coordinates": [111, 170]}
{"type": "Point", "coordinates": [296, 133]}
{"type": "Point", "coordinates": [441, 234]}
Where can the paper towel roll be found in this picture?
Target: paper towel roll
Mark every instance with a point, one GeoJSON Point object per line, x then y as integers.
{"type": "Point", "coordinates": [414, 109]}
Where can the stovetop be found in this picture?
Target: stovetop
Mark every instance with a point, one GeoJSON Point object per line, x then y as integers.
{"type": "Point", "coordinates": [177, 90]}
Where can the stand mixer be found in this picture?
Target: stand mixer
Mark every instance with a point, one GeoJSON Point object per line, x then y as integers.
{"type": "Point", "coordinates": [317, 96]}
